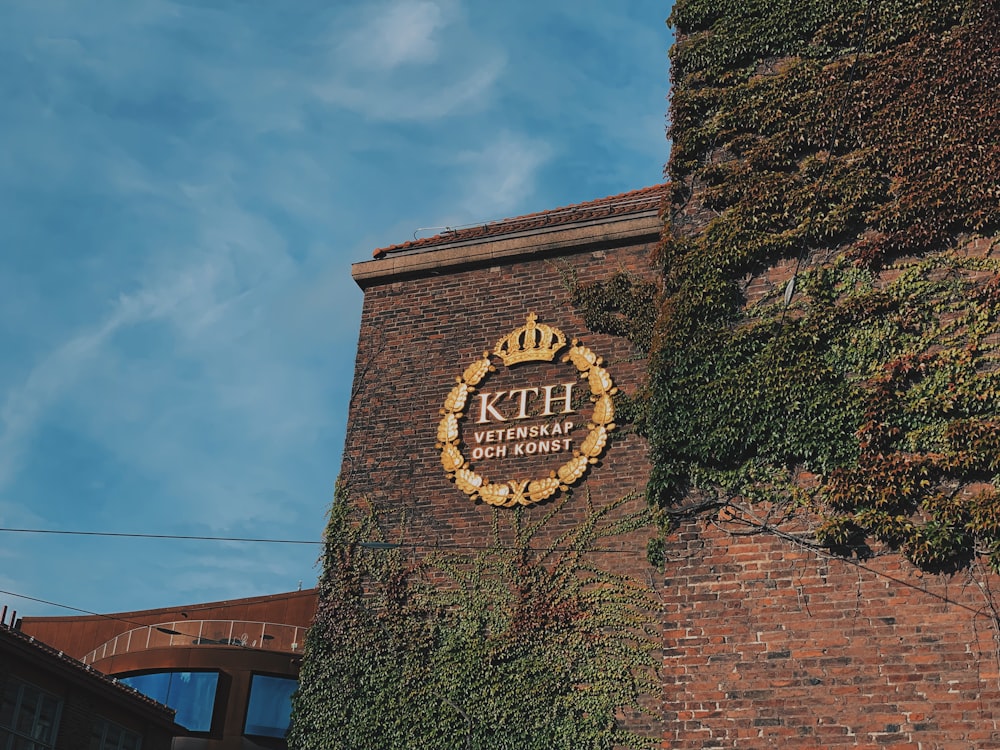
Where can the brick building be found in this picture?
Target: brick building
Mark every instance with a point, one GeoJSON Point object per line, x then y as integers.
{"type": "Point", "coordinates": [228, 668]}
{"type": "Point", "coordinates": [49, 700]}
{"type": "Point", "coordinates": [764, 642]}
{"type": "Point", "coordinates": [433, 306]}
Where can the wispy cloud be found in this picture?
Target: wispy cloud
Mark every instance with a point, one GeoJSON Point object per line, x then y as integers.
{"type": "Point", "coordinates": [410, 60]}
{"type": "Point", "coordinates": [463, 93]}
{"type": "Point", "coordinates": [501, 176]}
{"type": "Point", "coordinates": [202, 330]}
{"type": "Point", "coordinates": [183, 187]}
{"type": "Point", "coordinates": [59, 370]}
{"type": "Point", "coordinates": [396, 33]}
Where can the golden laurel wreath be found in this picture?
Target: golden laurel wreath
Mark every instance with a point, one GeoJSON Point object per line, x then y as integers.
{"type": "Point", "coordinates": [530, 342]}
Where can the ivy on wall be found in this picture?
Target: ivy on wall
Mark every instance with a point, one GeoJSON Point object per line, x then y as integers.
{"type": "Point", "coordinates": [621, 306]}
{"type": "Point", "coordinates": [509, 648]}
{"type": "Point", "coordinates": [855, 143]}
{"type": "Point", "coordinates": [850, 145]}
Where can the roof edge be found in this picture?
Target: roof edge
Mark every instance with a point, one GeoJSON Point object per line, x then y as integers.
{"type": "Point", "coordinates": [58, 661]}
{"type": "Point", "coordinates": [633, 201]}
{"type": "Point", "coordinates": [577, 237]}
{"type": "Point", "coordinates": [134, 613]}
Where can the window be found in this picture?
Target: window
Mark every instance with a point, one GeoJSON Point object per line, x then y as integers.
{"type": "Point", "coordinates": [29, 717]}
{"type": "Point", "coordinates": [270, 707]}
{"type": "Point", "coordinates": [190, 694]}
{"type": "Point", "coordinates": [109, 736]}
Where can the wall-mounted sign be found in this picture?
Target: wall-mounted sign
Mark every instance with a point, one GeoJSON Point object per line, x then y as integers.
{"type": "Point", "coordinates": [533, 419]}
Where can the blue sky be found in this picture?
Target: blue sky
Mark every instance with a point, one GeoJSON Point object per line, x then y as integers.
{"type": "Point", "coordinates": [183, 187]}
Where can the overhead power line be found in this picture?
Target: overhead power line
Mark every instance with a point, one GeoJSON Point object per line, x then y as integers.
{"type": "Point", "coordinates": [189, 537]}
{"type": "Point", "coordinates": [381, 545]}
{"type": "Point", "coordinates": [67, 606]}
{"type": "Point", "coordinates": [185, 610]}
{"type": "Point", "coordinates": [368, 544]}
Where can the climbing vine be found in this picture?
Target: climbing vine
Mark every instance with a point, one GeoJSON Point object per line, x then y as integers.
{"type": "Point", "coordinates": [824, 339]}
{"type": "Point", "coordinates": [828, 335]}
{"type": "Point", "coordinates": [509, 648]}
{"type": "Point", "coordinates": [621, 306]}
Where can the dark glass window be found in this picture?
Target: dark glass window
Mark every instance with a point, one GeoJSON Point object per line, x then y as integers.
{"type": "Point", "coordinates": [29, 717]}
{"type": "Point", "coordinates": [270, 707]}
{"type": "Point", "coordinates": [190, 694]}
{"type": "Point", "coordinates": [107, 735]}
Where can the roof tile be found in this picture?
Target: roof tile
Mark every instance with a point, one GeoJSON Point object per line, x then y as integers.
{"type": "Point", "coordinates": [635, 201]}
{"type": "Point", "coordinates": [75, 664]}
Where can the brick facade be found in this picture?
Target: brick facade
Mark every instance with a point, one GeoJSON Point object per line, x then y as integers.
{"type": "Point", "coordinates": [766, 643]}
{"type": "Point", "coordinates": [87, 698]}
{"type": "Point", "coordinates": [429, 315]}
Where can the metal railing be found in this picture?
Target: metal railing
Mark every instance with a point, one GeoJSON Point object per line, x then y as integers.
{"type": "Point", "coordinates": [269, 636]}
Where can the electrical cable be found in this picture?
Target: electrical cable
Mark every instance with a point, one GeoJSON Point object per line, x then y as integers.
{"type": "Point", "coordinates": [150, 625]}
{"type": "Point", "coordinates": [364, 544]}
{"type": "Point", "coordinates": [81, 611]}
{"type": "Point", "coordinates": [185, 609]}
{"type": "Point", "coordinates": [66, 606]}
{"type": "Point", "coordinates": [787, 537]}
{"type": "Point", "coordinates": [188, 537]}
{"type": "Point", "coordinates": [822, 553]}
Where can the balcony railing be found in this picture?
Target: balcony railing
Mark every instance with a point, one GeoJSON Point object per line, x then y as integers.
{"type": "Point", "coordinates": [269, 636]}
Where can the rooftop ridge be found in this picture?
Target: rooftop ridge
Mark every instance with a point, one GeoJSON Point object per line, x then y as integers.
{"type": "Point", "coordinates": [125, 616]}
{"type": "Point", "coordinates": [31, 642]}
{"type": "Point", "coordinates": [634, 201]}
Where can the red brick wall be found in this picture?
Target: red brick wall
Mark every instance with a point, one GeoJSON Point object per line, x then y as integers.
{"type": "Point", "coordinates": [85, 697]}
{"type": "Point", "coordinates": [417, 336]}
{"type": "Point", "coordinates": [766, 643]}
{"type": "Point", "coordinates": [769, 644]}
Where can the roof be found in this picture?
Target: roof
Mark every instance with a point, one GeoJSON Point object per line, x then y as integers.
{"type": "Point", "coordinates": [636, 201]}
{"type": "Point", "coordinates": [129, 615]}
{"type": "Point", "coordinates": [80, 634]}
{"type": "Point", "coordinates": [58, 660]}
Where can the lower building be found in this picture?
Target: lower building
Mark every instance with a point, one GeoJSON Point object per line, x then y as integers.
{"type": "Point", "coordinates": [227, 668]}
{"type": "Point", "coordinates": [51, 701]}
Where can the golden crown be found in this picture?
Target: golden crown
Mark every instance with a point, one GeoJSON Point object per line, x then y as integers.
{"type": "Point", "coordinates": [530, 342]}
